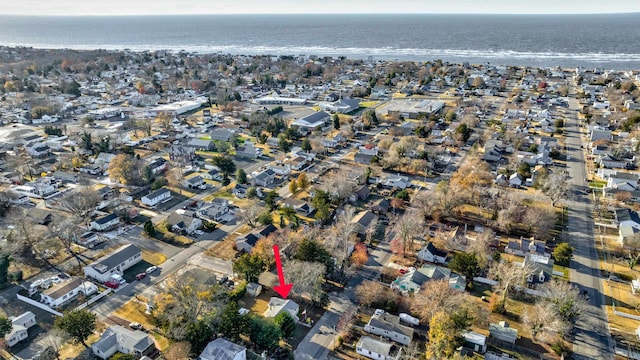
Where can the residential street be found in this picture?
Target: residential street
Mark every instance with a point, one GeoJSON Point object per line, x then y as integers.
{"type": "Point", "coordinates": [592, 337]}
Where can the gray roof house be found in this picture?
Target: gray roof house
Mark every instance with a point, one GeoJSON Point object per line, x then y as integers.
{"type": "Point", "coordinates": [119, 339]}
{"type": "Point", "coordinates": [200, 144]}
{"type": "Point", "coordinates": [264, 178]}
{"type": "Point", "coordinates": [223, 349]}
{"type": "Point", "coordinates": [20, 324]}
{"type": "Point", "coordinates": [313, 121]}
{"type": "Point", "coordinates": [412, 281]}
{"type": "Point", "coordinates": [222, 134]}
{"type": "Point", "coordinates": [363, 220]}
{"type": "Point", "coordinates": [115, 263]}
{"type": "Point", "coordinates": [388, 326]}
{"type": "Point", "coordinates": [373, 348]}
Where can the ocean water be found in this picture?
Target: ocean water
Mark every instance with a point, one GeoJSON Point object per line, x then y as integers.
{"type": "Point", "coordinates": [609, 41]}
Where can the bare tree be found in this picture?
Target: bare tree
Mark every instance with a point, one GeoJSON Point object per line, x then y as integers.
{"type": "Point", "coordinates": [407, 227]}
{"type": "Point", "coordinates": [306, 276]}
{"type": "Point", "coordinates": [509, 275]}
{"type": "Point", "coordinates": [435, 296]}
{"type": "Point", "coordinates": [251, 213]}
{"type": "Point", "coordinates": [542, 321]}
{"type": "Point", "coordinates": [341, 238]}
{"type": "Point", "coordinates": [26, 232]}
{"type": "Point", "coordinates": [80, 202]}
{"type": "Point", "coordinates": [556, 187]}
{"type": "Point", "coordinates": [566, 301]}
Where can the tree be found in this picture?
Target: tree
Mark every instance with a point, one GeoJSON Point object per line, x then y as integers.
{"type": "Point", "coordinates": [556, 187]}
{"type": "Point", "coordinates": [465, 264]}
{"type": "Point", "coordinates": [81, 202]}
{"type": "Point", "coordinates": [508, 275]}
{"type": "Point", "coordinates": [121, 356]}
{"type": "Point", "coordinates": [434, 296]}
{"type": "Point", "coordinates": [264, 250]}
{"type": "Point", "coordinates": [563, 253]}
{"type": "Point", "coordinates": [306, 144]}
{"type": "Point", "coordinates": [231, 323]}
{"type": "Point", "coordinates": [249, 267]}
{"type": "Point", "coordinates": [264, 333]}
{"type": "Point", "coordinates": [566, 301]}
{"type": "Point", "coordinates": [5, 326]}
{"type": "Point", "coordinates": [265, 218]}
{"type": "Point", "coordinates": [286, 323]}
{"type": "Point", "coordinates": [307, 276]}
{"type": "Point", "coordinates": [251, 214]}
{"type": "Point", "coordinates": [443, 339]}
{"type": "Point", "coordinates": [302, 181]}
{"type": "Point", "coordinates": [126, 169]}
{"type": "Point", "coordinates": [462, 133]}
{"type": "Point", "coordinates": [78, 324]}
{"type": "Point", "coordinates": [478, 82]}
{"type": "Point", "coordinates": [372, 293]}
{"type": "Point", "coordinates": [293, 186]}
{"type": "Point", "coordinates": [336, 122]}
{"type": "Point", "coordinates": [360, 254]}
{"type": "Point", "coordinates": [241, 176]}
{"type": "Point", "coordinates": [149, 229]}
{"type": "Point", "coordinates": [252, 192]}
{"type": "Point", "coordinates": [225, 164]}
{"type": "Point", "coordinates": [87, 143]}
{"type": "Point", "coordinates": [199, 334]}
{"type": "Point", "coordinates": [270, 199]}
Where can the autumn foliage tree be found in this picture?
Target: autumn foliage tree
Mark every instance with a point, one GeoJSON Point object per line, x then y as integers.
{"type": "Point", "coordinates": [360, 254]}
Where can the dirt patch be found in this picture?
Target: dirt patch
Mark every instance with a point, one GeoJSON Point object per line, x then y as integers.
{"type": "Point", "coordinates": [153, 258]}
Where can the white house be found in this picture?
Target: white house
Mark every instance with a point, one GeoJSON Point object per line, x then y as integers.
{"type": "Point", "coordinates": [67, 291]}
{"type": "Point", "coordinates": [180, 222]}
{"type": "Point", "coordinates": [249, 150]}
{"type": "Point", "coordinates": [20, 324]}
{"type": "Point", "coordinates": [278, 305]}
{"type": "Point", "coordinates": [264, 178]}
{"type": "Point", "coordinates": [158, 165]}
{"type": "Point", "coordinates": [388, 326]}
{"type": "Point", "coordinates": [515, 180]}
{"type": "Point", "coordinates": [475, 341]}
{"type": "Point", "coordinates": [105, 222]}
{"type": "Point", "coordinates": [115, 263]}
{"type": "Point", "coordinates": [223, 349]}
{"type": "Point", "coordinates": [119, 339]}
{"type": "Point", "coordinates": [159, 196]}
{"type": "Point", "coordinates": [217, 210]}
{"type": "Point", "coordinates": [376, 349]}
{"type": "Point", "coordinates": [432, 254]}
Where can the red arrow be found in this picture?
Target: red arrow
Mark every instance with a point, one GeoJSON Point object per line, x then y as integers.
{"type": "Point", "coordinates": [282, 289]}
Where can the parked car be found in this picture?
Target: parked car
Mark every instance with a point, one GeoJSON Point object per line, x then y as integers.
{"type": "Point", "coordinates": [113, 284]}
{"type": "Point", "coordinates": [141, 276]}
{"type": "Point", "coordinates": [198, 233]}
{"type": "Point", "coordinates": [223, 280]}
{"type": "Point", "coordinates": [135, 325]}
{"type": "Point", "coordinates": [151, 269]}
{"type": "Point", "coordinates": [403, 271]}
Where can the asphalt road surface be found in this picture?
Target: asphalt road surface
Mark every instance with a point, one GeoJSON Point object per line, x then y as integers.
{"type": "Point", "coordinates": [592, 338]}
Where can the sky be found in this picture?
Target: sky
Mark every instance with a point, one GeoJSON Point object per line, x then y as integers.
{"type": "Point", "coordinates": [174, 7]}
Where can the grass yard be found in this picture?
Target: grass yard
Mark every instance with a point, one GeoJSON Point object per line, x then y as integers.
{"type": "Point", "coordinates": [134, 311]}
{"type": "Point", "coordinates": [369, 104]}
{"type": "Point", "coordinates": [224, 249]}
{"type": "Point", "coordinates": [153, 258]}
{"type": "Point", "coordinates": [71, 351]}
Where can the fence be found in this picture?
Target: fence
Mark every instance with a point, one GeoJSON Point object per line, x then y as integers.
{"type": "Point", "coordinates": [94, 299]}
{"type": "Point", "coordinates": [38, 305]}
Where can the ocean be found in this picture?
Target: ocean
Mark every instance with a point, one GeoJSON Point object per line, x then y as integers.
{"type": "Point", "coordinates": [608, 41]}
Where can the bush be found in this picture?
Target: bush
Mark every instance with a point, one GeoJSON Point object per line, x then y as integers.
{"type": "Point", "coordinates": [16, 276]}
{"type": "Point", "coordinates": [239, 291]}
{"type": "Point", "coordinates": [496, 306]}
{"type": "Point", "coordinates": [209, 226]}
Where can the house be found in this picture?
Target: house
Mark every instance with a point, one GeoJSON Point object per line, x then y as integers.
{"type": "Point", "coordinates": [280, 168]}
{"type": "Point", "coordinates": [105, 222]}
{"type": "Point", "coordinates": [363, 220]}
{"type": "Point", "coordinates": [38, 150]}
{"type": "Point", "coordinates": [376, 349]}
{"type": "Point", "coordinates": [87, 239]}
{"type": "Point", "coordinates": [20, 324]}
{"type": "Point", "coordinates": [360, 193]}
{"type": "Point", "coordinates": [115, 263]}
{"type": "Point", "coordinates": [254, 289]}
{"type": "Point", "coordinates": [103, 160]}
{"type": "Point", "coordinates": [249, 150]}
{"type": "Point", "coordinates": [298, 163]}
{"type": "Point", "coordinates": [432, 254]}
{"type": "Point", "coordinates": [65, 176]}
{"type": "Point", "coordinates": [300, 206]}
{"type": "Point", "coordinates": [67, 291]}
{"type": "Point", "coordinates": [363, 158]}
{"type": "Point", "coordinates": [194, 182]}
{"type": "Point", "coordinates": [542, 268]}
{"type": "Point", "coordinates": [183, 223]}
{"type": "Point", "coordinates": [525, 246]}
{"type": "Point", "coordinates": [201, 144]}
{"type": "Point", "coordinates": [222, 135]}
{"type": "Point", "coordinates": [223, 349]}
{"type": "Point", "coordinates": [515, 180]}
{"type": "Point", "coordinates": [411, 282]}
{"type": "Point", "coordinates": [278, 305]}
{"type": "Point", "coordinates": [627, 217]}
{"type": "Point", "coordinates": [119, 339]}
{"type": "Point", "coordinates": [159, 196]}
{"type": "Point", "coordinates": [213, 174]}
{"type": "Point", "coordinates": [264, 178]}
{"type": "Point", "coordinates": [239, 191]}
{"type": "Point", "coordinates": [388, 326]}
{"type": "Point", "coordinates": [312, 122]}
{"type": "Point", "coordinates": [216, 210]}
{"type": "Point", "coordinates": [247, 242]}
{"type": "Point", "coordinates": [503, 332]}
{"type": "Point", "coordinates": [343, 106]}
{"type": "Point", "coordinates": [474, 341]}
{"type": "Point", "coordinates": [396, 182]}
{"type": "Point", "coordinates": [158, 165]}
{"type": "Point", "coordinates": [598, 134]}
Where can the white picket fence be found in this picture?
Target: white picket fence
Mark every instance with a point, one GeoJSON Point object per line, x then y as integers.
{"type": "Point", "coordinates": [38, 305]}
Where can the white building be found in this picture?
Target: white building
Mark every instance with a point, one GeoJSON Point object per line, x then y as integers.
{"type": "Point", "coordinates": [67, 291]}
{"type": "Point", "coordinates": [388, 326]}
{"type": "Point", "coordinates": [159, 196]}
{"type": "Point", "coordinates": [119, 339]}
{"type": "Point", "coordinates": [220, 348]}
{"type": "Point", "coordinates": [278, 305]}
{"type": "Point", "coordinates": [115, 263]}
{"type": "Point", "coordinates": [376, 349]}
{"type": "Point", "coordinates": [105, 222]}
{"type": "Point", "coordinates": [20, 324]}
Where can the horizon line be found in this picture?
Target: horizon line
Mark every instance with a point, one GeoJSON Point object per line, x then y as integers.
{"type": "Point", "coordinates": [321, 13]}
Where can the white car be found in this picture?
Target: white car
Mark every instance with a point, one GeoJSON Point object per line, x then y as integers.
{"type": "Point", "coordinates": [198, 233]}
{"type": "Point", "coordinates": [151, 269]}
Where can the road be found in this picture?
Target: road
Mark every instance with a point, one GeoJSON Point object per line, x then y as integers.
{"type": "Point", "coordinates": [592, 337]}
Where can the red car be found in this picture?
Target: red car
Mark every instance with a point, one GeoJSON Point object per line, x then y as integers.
{"type": "Point", "coordinates": [403, 271]}
{"type": "Point", "coordinates": [141, 276]}
{"type": "Point", "coordinates": [112, 284]}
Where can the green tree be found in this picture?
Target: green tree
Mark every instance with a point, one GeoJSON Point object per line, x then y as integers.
{"type": "Point", "coordinates": [311, 250]}
{"type": "Point", "coordinates": [563, 253]}
{"type": "Point", "coordinates": [264, 333]}
{"type": "Point", "coordinates": [78, 324]}
{"type": "Point", "coordinates": [265, 218]}
{"type": "Point", "coordinates": [336, 122]}
{"type": "Point", "coordinates": [286, 323]}
{"type": "Point", "coordinates": [199, 334]}
{"type": "Point", "coordinates": [249, 267]}
{"type": "Point", "coordinates": [465, 264]}
{"type": "Point", "coordinates": [5, 326]}
{"type": "Point", "coordinates": [283, 144]}
{"type": "Point", "coordinates": [241, 176]}
{"type": "Point", "coordinates": [270, 199]}
{"type": "Point", "coordinates": [252, 192]}
{"type": "Point", "coordinates": [232, 324]}
{"type": "Point", "coordinates": [524, 170]}
{"type": "Point", "coordinates": [463, 132]}
{"type": "Point", "coordinates": [121, 356]}
{"type": "Point", "coordinates": [149, 229]}
{"type": "Point", "coordinates": [306, 144]}
{"type": "Point", "coordinates": [225, 164]}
